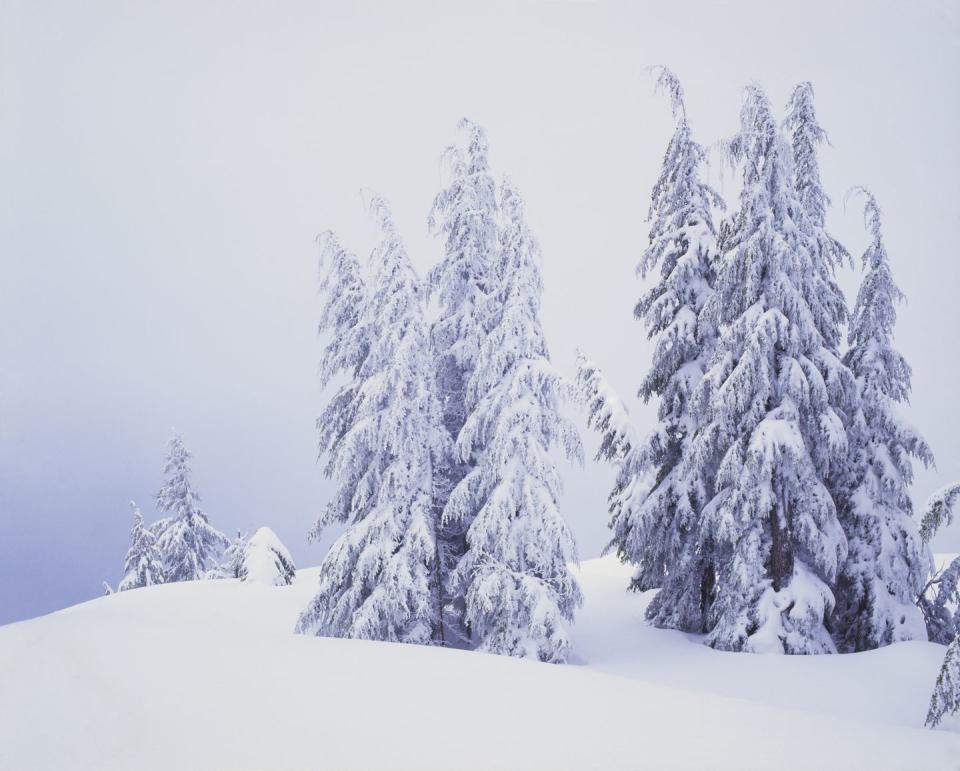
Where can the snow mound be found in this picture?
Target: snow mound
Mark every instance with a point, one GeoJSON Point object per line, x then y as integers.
{"type": "Point", "coordinates": [266, 560]}
{"type": "Point", "coordinates": [209, 675]}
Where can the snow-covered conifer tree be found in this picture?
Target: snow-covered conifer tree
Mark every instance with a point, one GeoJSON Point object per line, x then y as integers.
{"type": "Point", "coordinates": [887, 562]}
{"type": "Point", "coordinates": [606, 414]}
{"type": "Point", "coordinates": [379, 580]}
{"type": "Point", "coordinates": [341, 317]}
{"type": "Point", "coordinates": [655, 505]}
{"type": "Point", "coordinates": [142, 566]}
{"type": "Point", "coordinates": [465, 216]}
{"type": "Point", "coordinates": [229, 566]}
{"type": "Point", "coordinates": [946, 693]}
{"type": "Point", "coordinates": [188, 544]}
{"type": "Point", "coordinates": [940, 510]}
{"type": "Point", "coordinates": [939, 600]}
{"type": "Point", "coordinates": [265, 560]}
{"type": "Point", "coordinates": [520, 595]}
{"type": "Point", "coordinates": [807, 135]}
{"type": "Point", "coordinates": [767, 413]}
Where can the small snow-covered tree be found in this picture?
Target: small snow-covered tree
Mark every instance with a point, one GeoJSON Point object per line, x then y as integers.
{"type": "Point", "coordinates": [465, 216]}
{"type": "Point", "coordinates": [946, 693]}
{"type": "Point", "coordinates": [656, 508]}
{"type": "Point", "coordinates": [142, 566]}
{"type": "Point", "coordinates": [887, 562]}
{"type": "Point", "coordinates": [939, 600]}
{"type": "Point", "coordinates": [379, 580]}
{"type": "Point", "coordinates": [265, 560]}
{"type": "Point", "coordinates": [229, 566]}
{"type": "Point", "coordinates": [186, 541]}
{"type": "Point", "coordinates": [767, 412]}
{"type": "Point", "coordinates": [520, 594]}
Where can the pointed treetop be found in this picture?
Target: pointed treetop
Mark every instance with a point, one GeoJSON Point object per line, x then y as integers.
{"type": "Point", "coordinates": [872, 220]}
{"type": "Point", "coordinates": [668, 83]}
{"type": "Point", "coordinates": [379, 208]}
{"type": "Point", "coordinates": [477, 148]}
{"type": "Point", "coordinates": [801, 111]}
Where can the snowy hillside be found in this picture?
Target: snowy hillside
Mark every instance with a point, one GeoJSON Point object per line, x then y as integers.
{"type": "Point", "coordinates": [208, 675]}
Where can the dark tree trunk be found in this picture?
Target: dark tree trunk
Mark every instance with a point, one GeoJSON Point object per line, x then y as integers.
{"type": "Point", "coordinates": [781, 548]}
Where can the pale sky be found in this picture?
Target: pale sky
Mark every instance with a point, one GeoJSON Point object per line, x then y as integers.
{"type": "Point", "coordinates": [164, 168]}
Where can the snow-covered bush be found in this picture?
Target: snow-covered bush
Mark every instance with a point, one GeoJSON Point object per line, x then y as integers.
{"type": "Point", "coordinates": [265, 560]}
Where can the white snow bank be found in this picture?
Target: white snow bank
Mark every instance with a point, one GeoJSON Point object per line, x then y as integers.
{"type": "Point", "coordinates": [208, 675]}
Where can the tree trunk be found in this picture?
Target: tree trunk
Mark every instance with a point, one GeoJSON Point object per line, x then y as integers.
{"type": "Point", "coordinates": [781, 548]}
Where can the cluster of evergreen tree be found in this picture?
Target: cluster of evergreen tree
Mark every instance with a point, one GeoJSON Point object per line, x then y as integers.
{"type": "Point", "coordinates": [770, 504]}
{"type": "Point", "coordinates": [182, 545]}
{"type": "Point", "coordinates": [440, 432]}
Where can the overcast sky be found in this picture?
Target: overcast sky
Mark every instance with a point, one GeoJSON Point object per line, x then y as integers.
{"type": "Point", "coordinates": [164, 168]}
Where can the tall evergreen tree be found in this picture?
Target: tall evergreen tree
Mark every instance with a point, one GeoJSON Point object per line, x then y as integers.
{"type": "Point", "coordinates": [946, 692]}
{"type": "Point", "coordinates": [520, 595]}
{"type": "Point", "coordinates": [142, 566]}
{"type": "Point", "coordinates": [767, 412]}
{"type": "Point", "coordinates": [465, 216]}
{"type": "Point", "coordinates": [656, 525]}
{"type": "Point", "coordinates": [380, 580]}
{"type": "Point", "coordinates": [188, 544]}
{"type": "Point", "coordinates": [887, 562]}
{"type": "Point", "coordinates": [345, 301]}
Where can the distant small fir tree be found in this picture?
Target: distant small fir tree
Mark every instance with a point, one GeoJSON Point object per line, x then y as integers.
{"type": "Point", "coordinates": [188, 544]}
{"type": "Point", "coordinates": [142, 566]}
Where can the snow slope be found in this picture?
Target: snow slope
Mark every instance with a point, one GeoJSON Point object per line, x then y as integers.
{"type": "Point", "coordinates": [208, 675]}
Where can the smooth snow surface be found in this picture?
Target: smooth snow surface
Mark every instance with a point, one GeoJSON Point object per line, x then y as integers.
{"type": "Point", "coordinates": [208, 675]}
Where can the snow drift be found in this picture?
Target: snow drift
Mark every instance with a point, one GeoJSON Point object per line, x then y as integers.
{"type": "Point", "coordinates": [209, 675]}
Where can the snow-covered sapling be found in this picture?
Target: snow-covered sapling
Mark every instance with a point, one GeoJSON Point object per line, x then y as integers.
{"type": "Point", "coordinates": [186, 541]}
{"type": "Point", "coordinates": [142, 566]}
{"type": "Point", "coordinates": [265, 560]}
{"type": "Point", "coordinates": [229, 566]}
